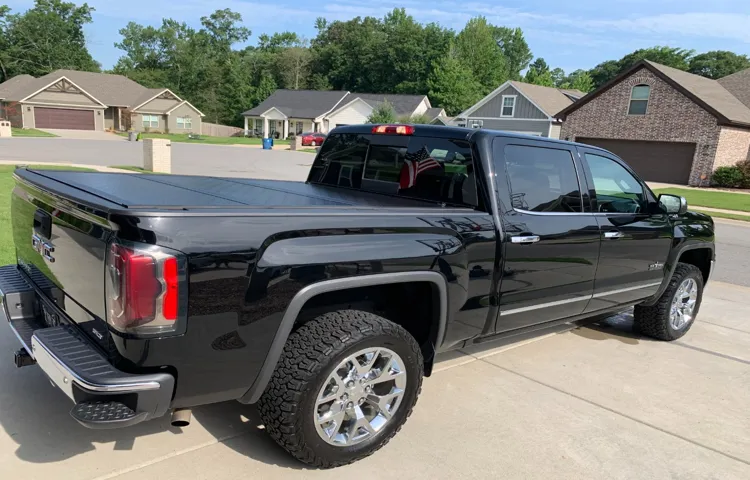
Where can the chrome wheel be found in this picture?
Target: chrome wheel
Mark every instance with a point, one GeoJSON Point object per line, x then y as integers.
{"type": "Point", "coordinates": [360, 396]}
{"type": "Point", "coordinates": [683, 304]}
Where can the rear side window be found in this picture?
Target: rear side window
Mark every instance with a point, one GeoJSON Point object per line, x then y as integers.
{"type": "Point", "coordinates": [433, 169]}
{"type": "Point", "coordinates": [542, 179]}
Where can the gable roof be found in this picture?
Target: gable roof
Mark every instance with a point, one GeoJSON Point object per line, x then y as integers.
{"type": "Point", "coordinates": [150, 94]}
{"type": "Point", "coordinates": [299, 103]}
{"type": "Point", "coordinates": [738, 84]}
{"type": "Point", "coordinates": [549, 100]}
{"type": "Point", "coordinates": [435, 112]}
{"type": "Point", "coordinates": [707, 93]}
{"type": "Point", "coordinates": [315, 103]}
{"type": "Point", "coordinates": [109, 89]}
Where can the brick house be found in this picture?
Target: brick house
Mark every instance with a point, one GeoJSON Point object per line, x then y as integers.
{"type": "Point", "coordinates": [669, 125]}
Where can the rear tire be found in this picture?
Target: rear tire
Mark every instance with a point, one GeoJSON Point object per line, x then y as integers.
{"type": "Point", "coordinates": [315, 358]}
{"type": "Point", "coordinates": [667, 319]}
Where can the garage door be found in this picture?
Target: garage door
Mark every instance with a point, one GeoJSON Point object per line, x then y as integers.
{"type": "Point", "coordinates": [668, 162]}
{"type": "Point", "coordinates": [64, 118]}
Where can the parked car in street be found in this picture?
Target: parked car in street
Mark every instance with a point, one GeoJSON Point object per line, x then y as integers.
{"type": "Point", "coordinates": [325, 302]}
{"type": "Point", "coordinates": [313, 139]}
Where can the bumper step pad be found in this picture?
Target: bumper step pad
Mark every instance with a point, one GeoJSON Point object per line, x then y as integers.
{"type": "Point", "coordinates": [105, 414]}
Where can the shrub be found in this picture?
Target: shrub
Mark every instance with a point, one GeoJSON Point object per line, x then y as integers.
{"type": "Point", "coordinates": [383, 113]}
{"type": "Point", "coordinates": [744, 168]}
{"type": "Point", "coordinates": [731, 177]}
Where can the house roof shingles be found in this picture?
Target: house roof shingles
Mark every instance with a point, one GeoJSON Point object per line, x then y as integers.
{"type": "Point", "coordinates": [299, 103]}
{"type": "Point", "coordinates": [314, 103]}
{"type": "Point", "coordinates": [738, 84]}
{"type": "Point", "coordinates": [111, 90]}
{"type": "Point", "coordinates": [550, 99]}
{"type": "Point", "coordinates": [717, 97]}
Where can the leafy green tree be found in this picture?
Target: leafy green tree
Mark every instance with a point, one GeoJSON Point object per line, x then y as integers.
{"type": "Point", "coordinates": [451, 85]}
{"type": "Point", "coordinates": [558, 76]}
{"type": "Point", "coordinates": [604, 72]}
{"type": "Point", "coordinates": [517, 52]}
{"type": "Point", "coordinates": [47, 37]}
{"type": "Point", "coordinates": [540, 74]}
{"type": "Point", "coordinates": [718, 64]}
{"type": "Point", "coordinates": [415, 119]}
{"type": "Point", "coordinates": [582, 81]}
{"type": "Point", "coordinates": [674, 57]}
{"type": "Point", "coordinates": [477, 49]}
{"type": "Point", "coordinates": [382, 113]}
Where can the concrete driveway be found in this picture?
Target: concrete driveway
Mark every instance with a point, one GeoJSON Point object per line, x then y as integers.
{"type": "Point", "coordinates": [84, 135]}
{"type": "Point", "coordinates": [588, 403]}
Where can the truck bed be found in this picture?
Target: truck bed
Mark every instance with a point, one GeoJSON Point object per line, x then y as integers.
{"type": "Point", "coordinates": [116, 191]}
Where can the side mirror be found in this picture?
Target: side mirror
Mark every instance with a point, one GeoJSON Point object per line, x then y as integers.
{"type": "Point", "coordinates": [673, 204]}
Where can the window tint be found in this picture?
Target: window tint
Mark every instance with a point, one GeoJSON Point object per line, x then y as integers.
{"type": "Point", "coordinates": [542, 179]}
{"type": "Point", "coordinates": [617, 191]}
{"type": "Point", "coordinates": [433, 169]}
{"type": "Point", "coordinates": [639, 100]}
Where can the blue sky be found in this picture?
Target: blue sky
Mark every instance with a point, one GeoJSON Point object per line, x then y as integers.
{"type": "Point", "coordinates": [570, 35]}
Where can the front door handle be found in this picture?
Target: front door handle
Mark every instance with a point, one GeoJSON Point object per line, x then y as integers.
{"type": "Point", "coordinates": [526, 240]}
{"type": "Point", "coordinates": [613, 235]}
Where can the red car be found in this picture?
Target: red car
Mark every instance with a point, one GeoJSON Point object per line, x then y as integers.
{"type": "Point", "coordinates": [313, 138]}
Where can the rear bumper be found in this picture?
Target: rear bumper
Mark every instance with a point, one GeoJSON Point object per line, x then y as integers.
{"type": "Point", "coordinates": [104, 396]}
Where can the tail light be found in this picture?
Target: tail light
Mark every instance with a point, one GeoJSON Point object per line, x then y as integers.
{"type": "Point", "coordinates": [145, 289]}
{"type": "Point", "coordinates": [394, 129]}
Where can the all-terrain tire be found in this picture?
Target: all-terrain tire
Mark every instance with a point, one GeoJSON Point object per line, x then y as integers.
{"type": "Point", "coordinates": [654, 321]}
{"type": "Point", "coordinates": [287, 407]}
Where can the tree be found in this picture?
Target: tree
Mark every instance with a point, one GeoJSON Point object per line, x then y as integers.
{"type": "Point", "coordinates": [478, 51]}
{"type": "Point", "coordinates": [674, 57]}
{"type": "Point", "coordinates": [451, 85]}
{"type": "Point", "coordinates": [540, 74]}
{"type": "Point", "coordinates": [47, 37]}
{"type": "Point", "coordinates": [718, 64]}
{"type": "Point", "coordinates": [516, 50]}
{"type": "Point", "coordinates": [383, 113]}
{"type": "Point", "coordinates": [293, 63]}
{"type": "Point", "coordinates": [581, 80]}
{"type": "Point", "coordinates": [604, 72]}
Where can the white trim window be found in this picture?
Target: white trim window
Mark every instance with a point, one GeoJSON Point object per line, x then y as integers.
{"type": "Point", "coordinates": [508, 106]}
{"type": "Point", "coordinates": [150, 121]}
{"type": "Point", "coordinates": [639, 100]}
{"type": "Point", "coordinates": [185, 123]}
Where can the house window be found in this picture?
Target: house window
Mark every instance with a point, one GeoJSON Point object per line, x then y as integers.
{"type": "Point", "coordinates": [298, 128]}
{"type": "Point", "coordinates": [151, 121]}
{"type": "Point", "coordinates": [185, 123]}
{"type": "Point", "coordinates": [509, 106]}
{"type": "Point", "coordinates": [639, 100]}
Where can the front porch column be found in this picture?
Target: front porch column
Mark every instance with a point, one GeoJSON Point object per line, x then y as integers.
{"type": "Point", "coordinates": [265, 127]}
{"type": "Point", "coordinates": [285, 131]}
{"type": "Point", "coordinates": [246, 126]}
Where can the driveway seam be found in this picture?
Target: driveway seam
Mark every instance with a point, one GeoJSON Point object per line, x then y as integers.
{"type": "Point", "coordinates": [711, 352]}
{"type": "Point", "coordinates": [624, 415]}
{"type": "Point", "coordinates": [724, 326]}
{"type": "Point", "coordinates": [177, 453]}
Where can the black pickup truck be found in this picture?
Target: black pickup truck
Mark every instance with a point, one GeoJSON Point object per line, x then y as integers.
{"type": "Point", "coordinates": [325, 302]}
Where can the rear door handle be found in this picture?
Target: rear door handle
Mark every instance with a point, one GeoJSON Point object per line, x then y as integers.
{"type": "Point", "coordinates": [525, 239]}
{"type": "Point", "coordinates": [613, 235]}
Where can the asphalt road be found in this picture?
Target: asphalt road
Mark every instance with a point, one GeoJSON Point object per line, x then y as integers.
{"type": "Point", "coordinates": [732, 253]}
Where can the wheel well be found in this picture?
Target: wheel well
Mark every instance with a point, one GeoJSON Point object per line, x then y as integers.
{"type": "Point", "coordinates": [414, 305]}
{"type": "Point", "coordinates": [701, 258]}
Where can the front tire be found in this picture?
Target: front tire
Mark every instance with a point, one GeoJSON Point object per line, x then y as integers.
{"type": "Point", "coordinates": [344, 386]}
{"type": "Point", "coordinates": [673, 315]}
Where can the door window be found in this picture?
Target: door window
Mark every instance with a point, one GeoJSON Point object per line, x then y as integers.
{"type": "Point", "coordinates": [617, 190]}
{"type": "Point", "coordinates": [542, 179]}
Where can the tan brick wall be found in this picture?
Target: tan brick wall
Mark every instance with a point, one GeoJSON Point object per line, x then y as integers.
{"type": "Point", "coordinates": [157, 155]}
{"type": "Point", "coordinates": [734, 146]}
{"type": "Point", "coordinates": [670, 117]}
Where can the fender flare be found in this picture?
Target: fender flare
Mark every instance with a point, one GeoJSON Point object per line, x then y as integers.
{"type": "Point", "coordinates": [310, 291]}
{"type": "Point", "coordinates": [672, 265]}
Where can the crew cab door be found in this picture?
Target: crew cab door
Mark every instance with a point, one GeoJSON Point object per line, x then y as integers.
{"type": "Point", "coordinates": [636, 234]}
{"type": "Point", "coordinates": [551, 238]}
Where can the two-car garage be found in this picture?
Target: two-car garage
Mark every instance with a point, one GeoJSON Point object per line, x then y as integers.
{"type": "Point", "coordinates": [64, 118]}
{"type": "Point", "coordinates": [668, 162]}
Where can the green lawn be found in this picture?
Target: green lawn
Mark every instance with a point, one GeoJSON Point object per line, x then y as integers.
{"type": "Point", "coordinates": [30, 132]}
{"type": "Point", "coordinates": [731, 216]}
{"type": "Point", "coordinates": [703, 198]}
{"type": "Point", "coordinates": [7, 249]}
{"type": "Point", "coordinates": [308, 150]}
{"type": "Point", "coordinates": [183, 137]}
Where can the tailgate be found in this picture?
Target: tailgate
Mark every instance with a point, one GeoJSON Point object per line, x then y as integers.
{"type": "Point", "coordinates": [61, 245]}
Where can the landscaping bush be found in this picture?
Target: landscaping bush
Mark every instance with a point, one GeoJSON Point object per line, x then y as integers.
{"type": "Point", "coordinates": [730, 177]}
{"type": "Point", "coordinates": [744, 168]}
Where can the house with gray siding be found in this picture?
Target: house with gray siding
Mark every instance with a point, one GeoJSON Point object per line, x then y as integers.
{"type": "Point", "coordinates": [69, 99]}
{"type": "Point", "coordinates": [287, 112]}
{"type": "Point", "coordinates": [521, 108]}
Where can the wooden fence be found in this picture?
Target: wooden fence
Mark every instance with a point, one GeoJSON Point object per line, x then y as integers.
{"type": "Point", "coordinates": [215, 130]}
